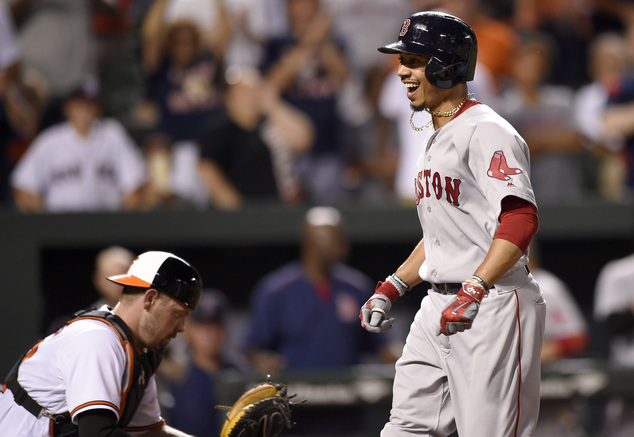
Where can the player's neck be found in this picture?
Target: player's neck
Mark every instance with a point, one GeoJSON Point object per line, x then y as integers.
{"type": "Point", "coordinates": [442, 113]}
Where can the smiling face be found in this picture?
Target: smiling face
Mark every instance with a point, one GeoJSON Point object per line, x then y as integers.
{"type": "Point", "coordinates": [412, 73]}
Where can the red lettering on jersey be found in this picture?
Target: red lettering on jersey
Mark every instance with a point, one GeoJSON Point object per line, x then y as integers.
{"type": "Point", "coordinates": [437, 185]}
{"type": "Point", "coordinates": [453, 191]}
{"type": "Point", "coordinates": [427, 174]}
{"type": "Point", "coordinates": [451, 188]}
{"type": "Point", "coordinates": [420, 191]}
{"type": "Point", "coordinates": [406, 24]}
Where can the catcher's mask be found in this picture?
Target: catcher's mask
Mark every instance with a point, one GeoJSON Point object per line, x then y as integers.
{"type": "Point", "coordinates": [449, 41]}
{"type": "Point", "coordinates": [167, 273]}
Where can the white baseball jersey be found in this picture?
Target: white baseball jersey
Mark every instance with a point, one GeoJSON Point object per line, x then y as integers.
{"type": "Point", "coordinates": [614, 293]}
{"type": "Point", "coordinates": [485, 381]}
{"type": "Point", "coordinates": [564, 318]}
{"type": "Point", "coordinates": [461, 181]}
{"type": "Point", "coordinates": [393, 104]}
{"type": "Point", "coordinates": [75, 173]}
{"type": "Point", "coordinates": [81, 367]}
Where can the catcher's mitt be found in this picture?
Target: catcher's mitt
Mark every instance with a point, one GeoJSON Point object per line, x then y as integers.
{"type": "Point", "coordinates": [262, 411]}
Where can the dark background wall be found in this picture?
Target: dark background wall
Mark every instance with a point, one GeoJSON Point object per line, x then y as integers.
{"type": "Point", "coordinates": [47, 260]}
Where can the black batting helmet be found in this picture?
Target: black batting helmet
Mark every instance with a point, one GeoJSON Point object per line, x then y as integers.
{"type": "Point", "coordinates": [167, 273]}
{"type": "Point", "coordinates": [450, 41]}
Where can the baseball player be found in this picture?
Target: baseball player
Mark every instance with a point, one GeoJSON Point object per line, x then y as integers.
{"type": "Point", "coordinates": [95, 376]}
{"type": "Point", "coordinates": [477, 375]}
{"type": "Point", "coordinates": [85, 163]}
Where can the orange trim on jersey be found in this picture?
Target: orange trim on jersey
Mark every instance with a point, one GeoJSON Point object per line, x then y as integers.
{"type": "Point", "coordinates": [130, 353]}
{"type": "Point", "coordinates": [100, 320]}
{"type": "Point", "coordinates": [145, 428]}
{"type": "Point", "coordinates": [132, 281]}
{"type": "Point", "coordinates": [31, 352]}
{"type": "Point", "coordinates": [89, 404]}
{"type": "Point", "coordinates": [127, 347]}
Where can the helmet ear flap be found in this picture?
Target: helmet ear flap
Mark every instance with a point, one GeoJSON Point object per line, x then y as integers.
{"type": "Point", "coordinates": [440, 75]}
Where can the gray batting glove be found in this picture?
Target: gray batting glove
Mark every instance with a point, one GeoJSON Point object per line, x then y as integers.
{"type": "Point", "coordinates": [373, 313]}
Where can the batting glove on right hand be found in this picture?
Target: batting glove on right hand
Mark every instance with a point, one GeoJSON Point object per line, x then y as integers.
{"type": "Point", "coordinates": [459, 314]}
{"type": "Point", "coordinates": [373, 314]}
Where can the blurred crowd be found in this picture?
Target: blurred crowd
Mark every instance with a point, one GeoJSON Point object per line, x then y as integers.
{"type": "Point", "coordinates": [143, 104]}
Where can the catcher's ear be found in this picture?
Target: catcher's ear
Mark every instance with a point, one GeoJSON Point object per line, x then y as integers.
{"type": "Point", "coordinates": [150, 298]}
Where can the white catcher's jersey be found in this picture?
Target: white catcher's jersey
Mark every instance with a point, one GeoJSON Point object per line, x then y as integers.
{"type": "Point", "coordinates": [464, 170]}
{"type": "Point", "coordinates": [81, 367]}
{"type": "Point", "coordinates": [72, 173]}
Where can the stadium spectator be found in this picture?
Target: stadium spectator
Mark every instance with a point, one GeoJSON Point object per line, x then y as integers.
{"type": "Point", "coordinates": [20, 106]}
{"type": "Point", "coordinates": [248, 153]}
{"type": "Point", "coordinates": [617, 118]}
{"type": "Point", "coordinates": [606, 66]}
{"type": "Point", "coordinates": [188, 375]}
{"type": "Point", "coordinates": [307, 66]}
{"type": "Point", "coordinates": [317, 294]}
{"type": "Point", "coordinates": [111, 261]}
{"type": "Point", "coordinates": [566, 335]}
{"type": "Point", "coordinates": [541, 113]}
{"type": "Point", "coordinates": [614, 311]}
{"type": "Point", "coordinates": [57, 42]}
{"type": "Point", "coordinates": [86, 163]}
{"type": "Point", "coordinates": [184, 87]}
{"type": "Point", "coordinates": [319, 332]}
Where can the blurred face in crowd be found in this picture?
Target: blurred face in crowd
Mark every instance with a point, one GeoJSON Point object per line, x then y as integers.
{"type": "Point", "coordinates": [531, 65]}
{"type": "Point", "coordinates": [324, 238]}
{"type": "Point", "coordinates": [82, 112]}
{"type": "Point", "coordinates": [244, 94]}
{"type": "Point", "coordinates": [302, 12]}
{"type": "Point", "coordinates": [111, 264]}
{"type": "Point", "coordinates": [206, 339]}
{"type": "Point", "coordinates": [607, 60]}
{"type": "Point", "coordinates": [328, 242]}
{"type": "Point", "coordinates": [183, 43]}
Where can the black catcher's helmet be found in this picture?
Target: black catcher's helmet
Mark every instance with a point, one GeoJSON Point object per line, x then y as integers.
{"type": "Point", "coordinates": [167, 273]}
{"type": "Point", "coordinates": [450, 41]}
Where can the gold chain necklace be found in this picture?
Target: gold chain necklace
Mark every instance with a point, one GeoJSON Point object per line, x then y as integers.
{"type": "Point", "coordinates": [435, 114]}
{"type": "Point", "coordinates": [448, 113]}
{"type": "Point", "coordinates": [418, 129]}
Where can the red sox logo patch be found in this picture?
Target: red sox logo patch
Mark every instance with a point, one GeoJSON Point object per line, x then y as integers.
{"type": "Point", "coordinates": [499, 168]}
{"type": "Point", "coordinates": [406, 24]}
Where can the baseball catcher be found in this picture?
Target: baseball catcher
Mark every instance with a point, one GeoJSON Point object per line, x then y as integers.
{"type": "Point", "coordinates": [262, 411]}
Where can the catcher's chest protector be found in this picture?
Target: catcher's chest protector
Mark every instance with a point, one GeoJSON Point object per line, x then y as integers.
{"type": "Point", "coordinates": [143, 367]}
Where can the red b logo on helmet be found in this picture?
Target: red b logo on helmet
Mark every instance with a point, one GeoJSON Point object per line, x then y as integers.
{"type": "Point", "coordinates": [406, 24]}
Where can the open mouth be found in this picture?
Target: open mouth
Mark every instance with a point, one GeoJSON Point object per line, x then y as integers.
{"type": "Point", "coordinates": [411, 88]}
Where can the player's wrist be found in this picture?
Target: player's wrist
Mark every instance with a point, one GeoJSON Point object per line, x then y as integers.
{"type": "Point", "coordinates": [401, 286]}
{"type": "Point", "coordinates": [388, 289]}
{"type": "Point", "coordinates": [475, 287]}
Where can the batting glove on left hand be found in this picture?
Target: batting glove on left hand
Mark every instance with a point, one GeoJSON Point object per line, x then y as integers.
{"type": "Point", "coordinates": [373, 313]}
{"type": "Point", "coordinates": [459, 314]}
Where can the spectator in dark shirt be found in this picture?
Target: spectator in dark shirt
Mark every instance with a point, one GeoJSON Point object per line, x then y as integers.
{"type": "Point", "coordinates": [307, 66]}
{"type": "Point", "coordinates": [248, 151]}
{"type": "Point", "coordinates": [317, 295]}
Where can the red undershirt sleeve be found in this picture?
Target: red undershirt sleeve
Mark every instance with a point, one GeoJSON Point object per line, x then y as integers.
{"type": "Point", "coordinates": [518, 222]}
